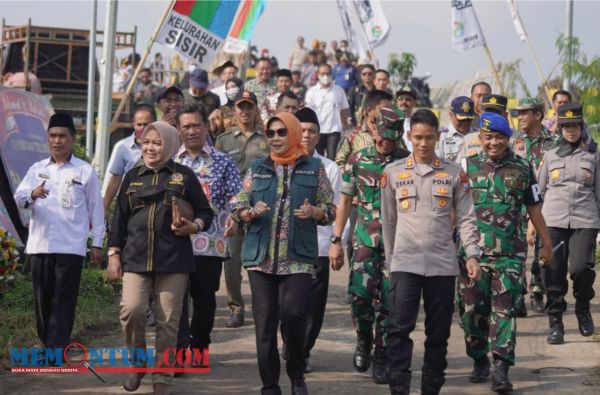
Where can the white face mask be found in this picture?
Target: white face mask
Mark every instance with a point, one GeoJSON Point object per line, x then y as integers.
{"type": "Point", "coordinates": [231, 93]}
{"type": "Point", "coordinates": [325, 79]}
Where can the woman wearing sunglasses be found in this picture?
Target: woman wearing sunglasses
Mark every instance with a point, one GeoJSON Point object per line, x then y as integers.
{"type": "Point", "coordinates": [284, 197]}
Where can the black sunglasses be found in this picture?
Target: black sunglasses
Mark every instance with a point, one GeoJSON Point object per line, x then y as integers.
{"type": "Point", "coordinates": [270, 133]}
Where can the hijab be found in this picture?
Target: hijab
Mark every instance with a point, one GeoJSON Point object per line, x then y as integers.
{"type": "Point", "coordinates": [170, 140]}
{"type": "Point", "coordinates": [585, 142]}
{"type": "Point", "coordinates": [295, 147]}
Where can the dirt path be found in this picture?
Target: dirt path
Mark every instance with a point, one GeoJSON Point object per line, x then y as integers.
{"type": "Point", "coordinates": [541, 369]}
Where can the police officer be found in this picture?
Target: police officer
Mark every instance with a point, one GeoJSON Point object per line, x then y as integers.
{"type": "Point", "coordinates": [570, 182]}
{"type": "Point", "coordinates": [368, 282]}
{"type": "Point", "coordinates": [244, 143]}
{"type": "Point", "coordinates": [406, 100]}
{"type": "Point", "coordinates": [501, 184]}
{"type": "Point", "coordinates": [531, 143]}
{"type": "Point", "coordinates": [462, 112]}
{"type": "Point", "coordinates": [489, 103]}
{"type": "Point", "coordinates": [419, 195]}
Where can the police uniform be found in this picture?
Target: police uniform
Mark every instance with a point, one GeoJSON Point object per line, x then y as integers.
{"type": "Point", "coordinates": [451, 140]}
{"type": "Point", "coordinates": [533, 149]}
{"type": "Point", "coordinates": [367, 280]}
{"type": "Point", "coordinates": [417, 202]}
{"type": "Point", "coordinates": [500, 188]}
{"type": "Point", "coordinates": [570, 181]}
{"type": "Point", "coordinates": [244, 150]}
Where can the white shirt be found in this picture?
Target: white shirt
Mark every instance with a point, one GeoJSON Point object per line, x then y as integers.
{"type": "Point", "coordinates": [60, 223]}
{"type": "Point", "coordinates": [220, 91]}
{"type": "Point", "coordinates": [405, 135]}
{"type": "Point", "coordinates": [327, 102]}
{"type": "Point", "coordinates": [333, 174]}
{"type": "Point", "coordinates": [124, 155]}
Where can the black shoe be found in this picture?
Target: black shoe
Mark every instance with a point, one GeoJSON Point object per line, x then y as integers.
{"type": "Point", "coordinates": [299, 387]}
{"type": "Point", "coordinates": [481, 371]}
{"type": "Point", "coordinates": [431, 384]}
{"type": "Point", "coordinates": [556, 335]}
{"type": "Point", "coordinates": [362, 355]}
{"type": "Point", "coordinates": [307, 367]}
{"type": "Point", "coordinates": [399, 383]}
{"type": "Point", "coordinates": [379, 360]}
{"type": "Point", "coordinates": [500, 381]}
{"type": "Point", "coordinates": [586, 323]}
{"type": "Point", "coordinates": [151, 319]}
{"type": "Point", "coordinates": [284, 352]}
{"type": "Point", "coordinates": [537, 303]}
{"type": "Point", "coordinates": [522, 309]}
{"type": "Point", "coordinates": [235, 320]}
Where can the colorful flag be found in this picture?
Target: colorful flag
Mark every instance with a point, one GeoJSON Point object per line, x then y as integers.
{"type": "Point", "coordinates": [196, 29]}
{"type": "Point", "coordinates": [373, 20]}
{"type": "Point", "coordinates": [243, 26]}
{"type": "Point", "coordinates": [466, 31]}
{"type": "Point", "coordinates": [514, 12]}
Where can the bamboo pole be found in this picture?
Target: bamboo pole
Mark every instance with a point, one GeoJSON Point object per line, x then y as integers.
{"type": "Point", "coordinates": [488, 55]}
{"type": "Point", "coordinates": [139, 67]}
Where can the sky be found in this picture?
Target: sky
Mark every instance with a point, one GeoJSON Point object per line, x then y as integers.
{"type": "Point", "coordinates": [420, 27]}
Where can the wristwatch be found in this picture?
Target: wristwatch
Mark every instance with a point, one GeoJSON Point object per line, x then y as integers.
{"type": "Point", "coordinates": [112, 252]}
{"type": "Point", "coordinates": [335, 239]}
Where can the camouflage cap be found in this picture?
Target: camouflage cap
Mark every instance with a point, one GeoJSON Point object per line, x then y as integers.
{"type": "Point", "coordinates": [390, 123]}
{"type": "Point", "coordinates": [530, 103]}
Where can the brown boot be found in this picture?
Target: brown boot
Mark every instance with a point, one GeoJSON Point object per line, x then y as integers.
{"type": "Point", "coordinates": [133, 381]}
{"type": "Point", "coordinates": [161, 389]}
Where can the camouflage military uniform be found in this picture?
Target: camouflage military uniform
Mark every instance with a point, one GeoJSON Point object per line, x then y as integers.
{"type": "Point", "coordinates": [500, 189]}
{"type": "Point", "coordinates": [533, 150]}
{"type": "Point", "coordinates": [367, 281]}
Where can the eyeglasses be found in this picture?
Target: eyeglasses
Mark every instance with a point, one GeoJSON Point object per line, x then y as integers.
{"type": "Point", "coordinates": [270, 133]}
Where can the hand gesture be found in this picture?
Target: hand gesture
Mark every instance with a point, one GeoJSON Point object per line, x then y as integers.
{"type": "Point", "coordinates": [259, 209]}
{"type": "Point", "coordinates": [306, 211]}
{"type": "Point", "coordinates": [336, 256]}
{"type": "Point", "coordinates": [473, 269]}
{"type": "Point", "coordinates": [40, 191]}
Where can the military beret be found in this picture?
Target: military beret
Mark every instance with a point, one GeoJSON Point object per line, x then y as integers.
{"type": "Point", "coordinates": [492, 122]}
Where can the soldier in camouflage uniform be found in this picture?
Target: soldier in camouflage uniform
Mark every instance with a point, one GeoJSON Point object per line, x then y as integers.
{"type": "Point", "coordinates": [531, 143]}
{"type": "Point", "coordinates": [501, 184]}
{"type": "Point", "coordinates": [368, 282]}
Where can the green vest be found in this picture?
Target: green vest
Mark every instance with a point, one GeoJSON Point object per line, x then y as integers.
{"type": "Point", "coordinates": [303, 244]}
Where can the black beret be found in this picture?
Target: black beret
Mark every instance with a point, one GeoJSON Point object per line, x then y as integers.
{"type": "Point", "coordinates": [61, 120]}
{"type": "Point", "coordinates": [306, 114]}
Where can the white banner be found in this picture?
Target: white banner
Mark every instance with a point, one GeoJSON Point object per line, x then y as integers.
{"type": "Point", "coordinates": [191, 40]}
{"type": "Point", "coordinates": [466, 32]}
{"type": "Point", "coordinates": [354, 34]}
{"type": "Point", "coordinates": [235, 46]}
{"type": "Point", "coordinates": [373, 20]}
{"type": "Point", "coordinates": [514, 12]}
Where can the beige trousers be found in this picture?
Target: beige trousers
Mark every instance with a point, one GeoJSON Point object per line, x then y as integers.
{"type": "Point", "coordinates": [168, 290]}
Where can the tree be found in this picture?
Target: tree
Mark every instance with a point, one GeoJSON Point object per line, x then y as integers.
{"type": "Point", "coordinates": [401, 67]}
{"type": "Point", "coordinates": [584, 73]}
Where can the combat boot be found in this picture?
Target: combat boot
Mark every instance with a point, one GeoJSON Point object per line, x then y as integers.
{"type": "Point", "coordinates": [481, 370]}
{"type": "Point", "coordinates": [379, 360]}
{"type": "Point", "coordinates": [584, 319]}
{"type": "Point", "coordinates": [537, 303]}
{"type": "Point", "coordinates": [399, 383]}
{"type": "Point", "coordinates": [431, 384]}
{"type": "Point", "coordinates": [362, 355]}
{"type": "Point", "coordinates": [557, 330]}
{"type": "Point", "coordinates": [500, 381]}
{"type": "Point", "coordinates": [299, 386]}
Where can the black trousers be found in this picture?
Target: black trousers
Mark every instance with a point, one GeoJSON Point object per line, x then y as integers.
{"type": "Point", "coordinates": [279, 298]}
{"type": "Point", "coordinates": [317, 303]}
{"type": "Point", "coordinates": [405, 297]}
{"type": "Point", "coordinates": [577, 257]}
{"type": "Point", "coordinates": [203, 285]}
{"type": "Point", "coordinates": [328, 142]}
{"type": "Point", "coordinates": [55, 288]}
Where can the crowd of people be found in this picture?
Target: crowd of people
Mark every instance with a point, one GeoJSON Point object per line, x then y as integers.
{"type": "Point", "coordinates": [268, 173]}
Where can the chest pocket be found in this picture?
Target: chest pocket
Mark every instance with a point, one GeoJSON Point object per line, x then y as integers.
{"type": "Point", "coordinates": [366, 190]}
{"type": "Point", "coordinates": [305, 186]}
{"type": "Point", "coordinates": [556, 172]}
{"type": "Point", "coordinates": [171, 191]}
{"type": "Point", "coordinates": [133, 196]}
{"type": "Point", "coordinates": [442, 198]}
{"type": "Point", "coordinates": [260, 189]}
{"type": "Point", "coordinates": [407, 199]}
{"type": "Point", "coordinates": [585, 173]}
{"type": "Point", "coordinates": [479, 194]}
{"type": "Point", "coordinates": [515, 188]}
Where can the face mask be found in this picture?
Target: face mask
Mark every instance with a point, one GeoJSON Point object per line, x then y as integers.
{"type": "Point", "coordinates": [325, 79]}
{"type": "Point", "coordinates": [191, 67]}
{"type": "Point", "coordinates": [231, 93]}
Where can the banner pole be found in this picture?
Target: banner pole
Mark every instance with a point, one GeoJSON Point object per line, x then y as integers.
{"type": "Point", "coordinates": [139, 67]}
